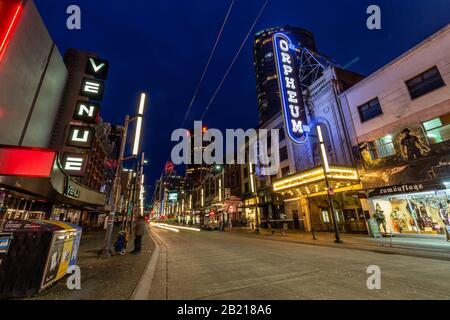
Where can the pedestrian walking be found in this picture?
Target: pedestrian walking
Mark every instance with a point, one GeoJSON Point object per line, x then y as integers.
{"type": "Point", "coordinates": [139, 231]}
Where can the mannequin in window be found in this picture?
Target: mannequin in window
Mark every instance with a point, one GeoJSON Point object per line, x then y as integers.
{"type": "Point", "coordinates": [380, 217]}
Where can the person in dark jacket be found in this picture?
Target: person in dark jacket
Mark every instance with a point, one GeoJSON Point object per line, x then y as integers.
{"type": "Point", "coordinates": [139, 231]}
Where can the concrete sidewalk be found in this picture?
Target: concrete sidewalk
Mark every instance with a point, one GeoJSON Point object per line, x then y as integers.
{"type": "Point", "coordinates": [426, 247]}
{"type": "Point", "coordinates": [114, 278]}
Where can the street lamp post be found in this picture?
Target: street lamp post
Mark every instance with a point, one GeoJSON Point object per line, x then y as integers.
{"type": "Point", "coordinates": [311, 219]}
{"type": "Point", "coordinates": [326, 169]}
{"type": "Point", "coordinates": [254, 191]}
{"type": "Point", "coordinates": [116, 189]}
{"type": "Point", "coordinates": [138, 184]}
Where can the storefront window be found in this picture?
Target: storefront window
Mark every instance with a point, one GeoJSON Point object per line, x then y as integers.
{"type": "Point", "coordinates": [438, 130]}
{"type": "Point", "coordinates": [382, 148]}
{"type": "Point", "coordinates": [425, 213]}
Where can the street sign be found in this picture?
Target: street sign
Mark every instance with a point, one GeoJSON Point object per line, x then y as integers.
{"type": "Point", "coordinates": [374, 228]}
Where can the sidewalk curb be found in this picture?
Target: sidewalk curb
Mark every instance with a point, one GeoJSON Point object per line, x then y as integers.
{"type": "Point", "coordinates": [141, 292]}
{"type": "Point", "coordinates": [402, 251]}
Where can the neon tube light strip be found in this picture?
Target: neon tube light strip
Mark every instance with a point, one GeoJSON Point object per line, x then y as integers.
{"type": "Point", "coordinates": [7, 35]}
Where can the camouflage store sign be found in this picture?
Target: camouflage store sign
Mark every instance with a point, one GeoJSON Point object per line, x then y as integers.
{"type": "Point", "coordinates": [407, 188]}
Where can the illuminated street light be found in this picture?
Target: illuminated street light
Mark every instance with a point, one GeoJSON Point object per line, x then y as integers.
{"type": "Point", "coordinates": [323, 151]}
{"type": "Point", "coordinates": [139, 118]}
{"type": "Point", "coordinates": [116, 189]}
{"type": "Point", "coordinates": [326, 169]}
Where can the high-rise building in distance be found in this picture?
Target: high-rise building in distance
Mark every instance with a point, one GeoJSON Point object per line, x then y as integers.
{"type": "Point", "coordinates": [197, 172]}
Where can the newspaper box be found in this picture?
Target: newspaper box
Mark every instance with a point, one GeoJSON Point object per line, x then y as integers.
{"type": "Point", "coordinates": [40, 254]}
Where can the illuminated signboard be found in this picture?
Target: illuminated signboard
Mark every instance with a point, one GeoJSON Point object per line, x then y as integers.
{"type": "Point", "coordinates": [87, 112]}
{"type": "Point", "coordinates": [75, 164]}
{"type": "Point", "coordinates": [97, 68]}
{"type": "Point", "coordinates": [294, 113]}
{"type": "Point", "coordinates": [10, 11]}
{"type": "Point", "coordinates": [92, 88]}
{"type": "Point", "coordinates": [173, 196]}
{"type": "Point", "coordinates": [26, 162]}
{"type": "Point", "coordinates": [169, 167]}
{"type": "Point", "coordinates": [80, 136]}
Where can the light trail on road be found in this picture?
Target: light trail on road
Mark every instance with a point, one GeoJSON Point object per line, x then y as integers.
{"type": "Point", "coordinates": [164, 227]}
{"type": "Point", "coordinates": [180, 227]}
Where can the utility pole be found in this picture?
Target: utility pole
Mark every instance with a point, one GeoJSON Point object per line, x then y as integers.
{"type": "Point", "coordinates": [311, 218]}
{"type": "Point", "coordinates": [254, 188]}
{"type": "Point", "coordinates": [116, 189]}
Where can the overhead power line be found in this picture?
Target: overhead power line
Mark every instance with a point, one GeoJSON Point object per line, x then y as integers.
{"type": "Point", "coordinates": [205, 70]}
{"type": "Point", "coordinates": [234, 59]}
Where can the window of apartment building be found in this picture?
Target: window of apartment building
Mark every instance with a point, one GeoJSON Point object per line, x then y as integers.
{"type": "Point", "coordinates": [382, 148]}
{"type": "Point", "coordinates": [424, 83]}
{"type": "Point", "coordinates": [370, 110]}
{"type": "Point", "coordinates": [246, 188]}
{"type": "Point", "coordinates": [438, 130]}
{"type": "Point", "coordinates": [285, 171]}
{"type": "Point", "coordinates": [283, 154]}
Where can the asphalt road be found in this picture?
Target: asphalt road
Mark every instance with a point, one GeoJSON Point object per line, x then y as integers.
{"type": "Point", "coordinates": [215, 265]}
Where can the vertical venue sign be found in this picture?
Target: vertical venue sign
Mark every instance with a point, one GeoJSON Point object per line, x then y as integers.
{"type": "Point", "coordinates": [292, 105]}
{"type": "Point", "coordinates": [81, 135]}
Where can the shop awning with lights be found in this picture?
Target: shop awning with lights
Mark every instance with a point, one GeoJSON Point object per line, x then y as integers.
{"type": "Point", "coordinates": [312, 183]}
{"type": "Point", "coordinates": [37, 173]}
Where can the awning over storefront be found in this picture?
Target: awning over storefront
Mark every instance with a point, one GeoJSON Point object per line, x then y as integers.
{"type": "Point", "coordinates": [312, 183]}
{"type": "Point", "coordinates": [56, 187]}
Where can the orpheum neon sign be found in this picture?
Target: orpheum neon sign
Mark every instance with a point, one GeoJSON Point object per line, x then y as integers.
{"type": "Point", "coordinates": [10, 11]}
{"type": "Point", "coordinates": [294, 113]}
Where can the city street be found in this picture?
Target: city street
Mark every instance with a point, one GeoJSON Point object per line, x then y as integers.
{"type": "Point", "coordinates": [214, 265]}
{"type": "Point", "coordinates": [224, 150]}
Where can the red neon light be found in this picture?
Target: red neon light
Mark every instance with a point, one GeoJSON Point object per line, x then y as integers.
{"type": "Point", "coordinates": [26, 162]}
{"type": "Point", "coordinates": [11, 25]}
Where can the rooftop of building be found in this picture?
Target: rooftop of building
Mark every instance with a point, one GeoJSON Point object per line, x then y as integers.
{"type": "Point", "coordinates": [399, 59]}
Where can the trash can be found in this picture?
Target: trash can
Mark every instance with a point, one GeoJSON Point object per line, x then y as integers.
{"type": "Point", "coordinates": [40, 253]}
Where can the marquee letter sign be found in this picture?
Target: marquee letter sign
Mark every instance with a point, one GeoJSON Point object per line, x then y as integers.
{"type": "Point", "coordinates": [87, 112]}
{"type": "Point", "coordinates": [92, 88]}
{"type": "Point", "coordinates": [294, 113]}
{"type": "Point", "coordinates": [80, 136]}
{"type": "Point", "coordinates": [75, 164]}
{"type": "Point", "coordinates": [97, 68]}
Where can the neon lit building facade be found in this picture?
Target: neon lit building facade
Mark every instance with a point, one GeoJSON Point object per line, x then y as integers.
{"type": "Point", "coordinates": [297, 192]}
{"type": "Point", "coordinates": [400, 134]}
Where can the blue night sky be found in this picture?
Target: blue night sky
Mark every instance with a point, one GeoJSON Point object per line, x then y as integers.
{"type": "Point", "coordinates": [161, 46]}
